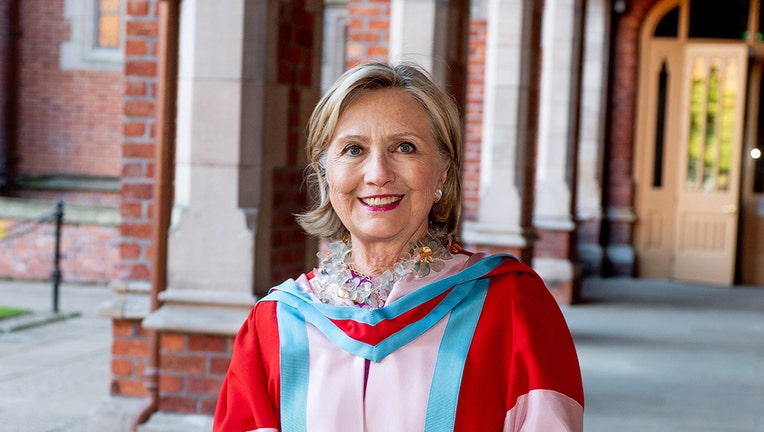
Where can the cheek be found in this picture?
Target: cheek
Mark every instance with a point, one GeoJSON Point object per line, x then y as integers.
{"type": "Point", "coordinates": [339, 183]}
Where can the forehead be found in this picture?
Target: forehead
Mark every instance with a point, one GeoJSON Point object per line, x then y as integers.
{"type": "Point", "coordinates": [386, 109]}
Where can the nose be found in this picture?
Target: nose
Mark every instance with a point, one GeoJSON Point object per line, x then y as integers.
{"type": "Point", "coordinates": [379, 169]}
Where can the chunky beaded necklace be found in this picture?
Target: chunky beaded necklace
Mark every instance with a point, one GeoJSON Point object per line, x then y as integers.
{"type": "Point", "coordinates": [336, 281]}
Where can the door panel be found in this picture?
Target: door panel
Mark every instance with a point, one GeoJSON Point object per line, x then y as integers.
{"type": "Point", "coordinates": [657, 137]}
{"type": "Point", "coordinates": [709, 177]}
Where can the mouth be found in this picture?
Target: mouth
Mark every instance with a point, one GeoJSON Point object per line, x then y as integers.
{"type": "Point", "coordinates": [381, 202]}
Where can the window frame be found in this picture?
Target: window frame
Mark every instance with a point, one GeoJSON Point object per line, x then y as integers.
{"type": "Point", "coordinates": [81, 51]}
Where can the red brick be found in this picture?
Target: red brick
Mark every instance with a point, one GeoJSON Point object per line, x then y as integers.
{"type": "Point", "coordinates": [129, 251]}
{"type": "Point", "coordinates": [141, 28]}
{"type": "Point", "coordinates": [177, 404]}
{"type": "Point", "coordinates": [132, 170]}
{"type": "Point", "coordinates": [136, 230]}
{"type": "Point", "coordinates": [134, 129]}
{"type": "Point", "coordinates": [137, 8]}
{"type": "Point", "coordinates": [219, 365]}
{"type": "Point", "coordinates": [132, 210]}
{"type": "Point", "coordinates": [141, 68]}
{"type": "Point", "coordinates": [129, 348]}
{"type": "Point", "coordinates": [208, 343]}
{"type": "Point", "coordinates": [138, 191]}
{"type": "Point", "coordinates": [122, 328]}
{"type": "Point", "coordinates": [121, 367]}
{"type": "Point", "coordinates": [173, 342]}
{"type": "Point", "coordinates": [139, 272]}
{"type": "Point", "coordinates": [208, 406]}
{"type": "Point", "coordinates": [139, 109]}
{"type": "Point", "coordinates": [203, 385]}
{"type": "Point", "coordinates": [183, 363]}
{"type": "Point", "coordinates": [170, 383]}
{"type": "Point", "coordinates": [129, 388]}
{"type": "Point", "coordinates": [135, 88]}
{"type": "Point", "coordinates": [138, 150]}
{"type": "Point", "coordinates": [136, 47]}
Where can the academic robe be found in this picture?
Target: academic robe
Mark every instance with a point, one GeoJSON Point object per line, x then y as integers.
{"type": "Point", "coordinates": [480, 346]}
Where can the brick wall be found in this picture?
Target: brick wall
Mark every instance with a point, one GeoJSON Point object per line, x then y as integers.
{"type": "Point", "coordinates": [130, 343]}
{"type": "Point", "coordinates": [474, 119]}
{"type": "Point", "coordinates": [138, 141]}
{"type": "Point", "coordinates": [129, 351]}
{"type": "Point", "coordinates": [192, 371]}
{"type": "Point", "coordinates": [295, 66]}
{"type": "Point", "coordinates": [5, 41]}
{"type": "Point", "coordinates": [70, 120]}
{"type": "Point", "coordinates": [368, 35]}
{"type": "Point", "coordinates": [88, 252]}
{"type": "Point", "coordinates": [287, 237]}
{"type": "Point", "coordinates": [298, 70]}
{"type": "Point", "coordinates": [619, 147]}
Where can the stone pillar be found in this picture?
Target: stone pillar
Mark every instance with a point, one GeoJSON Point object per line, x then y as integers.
{"type": "Point", "coordinates": [498, 223]}
{"type": "Point", "coordinates": [211, 244]}
{"type": "Point", "coordinates": [248, 72]}
{"type": "Point", "coordinates": [433, 34]}
{"type": "Point", "coordinates": [556, 175]}
{"type": "Point", "coordinates": [592, 135]}
{"type": "Point", "coordinates": [618, 198]}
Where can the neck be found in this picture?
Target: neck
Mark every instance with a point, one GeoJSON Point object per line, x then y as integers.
{"type": "Point", "coordinates": [373, 258]}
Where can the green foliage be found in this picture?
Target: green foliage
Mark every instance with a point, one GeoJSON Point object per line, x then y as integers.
{"type": "Point", "coordinates": [9, 312]}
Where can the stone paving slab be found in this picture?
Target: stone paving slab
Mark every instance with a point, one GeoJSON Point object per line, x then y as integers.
{"type": "Point", "coordinates": [668, 356]}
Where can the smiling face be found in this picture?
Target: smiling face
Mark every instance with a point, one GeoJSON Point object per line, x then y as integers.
{"type": "Point", "coordinates": [383, 167]}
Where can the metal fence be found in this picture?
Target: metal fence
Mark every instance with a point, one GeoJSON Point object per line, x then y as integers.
{"type": "Point", "coordinates": [26, 227]}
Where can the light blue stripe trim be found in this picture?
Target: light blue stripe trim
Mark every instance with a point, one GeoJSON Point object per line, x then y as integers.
{"type": "Point", "coordinates": [293, 337]}
{"type": "Point", "coordinates": [452, 354]}
{"type": "Point", "coordinates": [405, 303]}
{"type": "Point", "coordinates": [320, 315]}
{"type": "Point", "coordinates": [374, 352]}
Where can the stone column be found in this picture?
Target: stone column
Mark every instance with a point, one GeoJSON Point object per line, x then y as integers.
{"type": "Point", "coordinates": [556, 173]}
{"type": "Point", "coordinates": [500, 205]}
{"type": "Point", "coordinates": [592, 135]}
{"type": "Point", "coordinates": [433, 34]}
{"type": "Point", "coordinates": [211, 242]}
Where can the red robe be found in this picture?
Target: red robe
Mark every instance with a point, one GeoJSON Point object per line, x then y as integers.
{"type": "Point", "coordinates": [481, 347]}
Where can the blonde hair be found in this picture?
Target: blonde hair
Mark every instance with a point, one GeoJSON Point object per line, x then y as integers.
{"type": "Point", "coordinates": [321, 220]}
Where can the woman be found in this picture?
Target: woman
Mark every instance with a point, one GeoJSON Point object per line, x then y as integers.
{"type": "Point", "coordinates": [398, 329]}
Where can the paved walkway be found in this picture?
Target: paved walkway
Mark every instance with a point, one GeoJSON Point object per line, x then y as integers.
{"type": "Point", "coordinates": [52, 375]}
{"type": "Point", "coordinates": [662, 356]}
{"type": "Point", "coordinates": [656, 356]}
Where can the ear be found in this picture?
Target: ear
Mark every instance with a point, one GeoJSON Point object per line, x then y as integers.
{"type": "Point", "coordinates": [443, 177]}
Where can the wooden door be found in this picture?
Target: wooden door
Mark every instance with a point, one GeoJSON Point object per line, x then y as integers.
{"type": "Point", "coordinates": [657, 143]}
{"type": "Point", "coordinates": [709, 163]}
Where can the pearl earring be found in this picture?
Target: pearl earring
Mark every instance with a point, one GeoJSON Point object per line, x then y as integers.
{"type": "Point", "coordinates": [438, 195]}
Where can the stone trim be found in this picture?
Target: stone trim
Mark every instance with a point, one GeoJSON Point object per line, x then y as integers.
{"type": "Point", "coordinates": [75, 214]}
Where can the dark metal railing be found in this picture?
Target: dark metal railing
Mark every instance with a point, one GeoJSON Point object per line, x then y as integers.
{"type": "Point", "coordinates": [29, 226]}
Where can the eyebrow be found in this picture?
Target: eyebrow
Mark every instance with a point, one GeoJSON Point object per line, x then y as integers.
{"type": "Point", "coordinates": [393, 137]}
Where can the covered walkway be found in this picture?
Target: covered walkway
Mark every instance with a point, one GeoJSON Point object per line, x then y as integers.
{"type": "Point", "coordinates": [668, 356]}
{"type": "Point", "coordinates": [656, 356]}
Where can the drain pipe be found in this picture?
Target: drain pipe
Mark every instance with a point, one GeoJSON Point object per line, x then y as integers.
{"type": "Point", "coordinates": [167, 91]}
{"type": "Point", "coordinates": [10, 109]}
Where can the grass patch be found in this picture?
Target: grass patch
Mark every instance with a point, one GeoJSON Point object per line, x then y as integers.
{"type": "Point", "coordinates": [9, 312]}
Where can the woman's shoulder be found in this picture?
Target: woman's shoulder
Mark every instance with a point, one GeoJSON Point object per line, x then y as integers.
{"type": "Point", "coordinates": [500, 263]}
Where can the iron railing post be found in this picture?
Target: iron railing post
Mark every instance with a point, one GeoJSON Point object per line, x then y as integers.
{"type": "Point", "coordinates": [56, 274]}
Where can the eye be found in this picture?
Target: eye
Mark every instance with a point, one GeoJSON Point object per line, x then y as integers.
{"type": "Point", "coordinates": [352, 150]}
{"type": "Point", "coordinates": [406, 147]}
